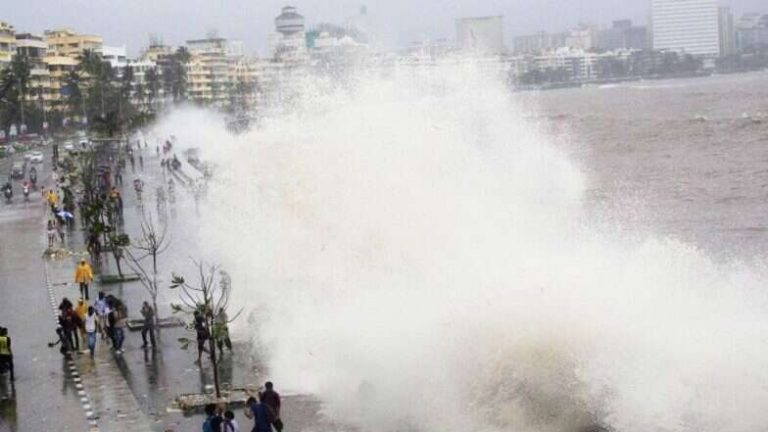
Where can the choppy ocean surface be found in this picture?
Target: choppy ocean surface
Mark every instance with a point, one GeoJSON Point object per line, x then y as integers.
{"type": "Point", "coordinates": [682, 158]}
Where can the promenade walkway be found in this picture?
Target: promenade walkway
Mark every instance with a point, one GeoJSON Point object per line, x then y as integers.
{"type": "Point", "coordinates": [106, 398]}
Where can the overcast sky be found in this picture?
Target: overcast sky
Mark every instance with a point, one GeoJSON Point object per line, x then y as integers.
{"type": "Point", "coordinates": [130, 22]}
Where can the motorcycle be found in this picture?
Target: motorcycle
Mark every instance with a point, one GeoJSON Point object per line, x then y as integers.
{"type": "Point", "coordinates": [33, 178]}
{"type": "Point", "coordinates": [8, 193]}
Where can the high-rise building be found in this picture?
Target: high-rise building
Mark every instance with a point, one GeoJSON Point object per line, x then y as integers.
{"type": "Point", "coordinates": [727, 32]}
{"type": "Point", "coordinates": [686, 26]}
{"type": "Point", "coordinates": [480, 35]}
{"type": "Point", "coordinates": [208, 71]}
{"type": "Point", "coordinates": [34, 48]}
{"type": "Point", "coordinates": [7, 43]}
{"type": "Point", "coordinates": [539, 42]}
{"type": "Point", "coordinates": [583, 37]}
{"type": "Point", "coordinates": [116, 56]}
{"type": "Point", "coordinates": [751, 32]}
{"type": "Point", "coordinates": [65, 42]}
{"type": "Point", "coordinates": [623, 35]}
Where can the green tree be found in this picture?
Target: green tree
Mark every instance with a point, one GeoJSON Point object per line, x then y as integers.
{"type": "Point", "coordinates": [14, 88]}
{"type": "Point", "coordinates": [73, 94]}
{"type": "Point", "coordinates": [152, 79]}
{"type": "Point", "coordinates": [175, 74]}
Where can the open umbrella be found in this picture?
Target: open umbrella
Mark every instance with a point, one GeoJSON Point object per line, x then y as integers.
{"type": "Point", "coordinates": [65, 215]}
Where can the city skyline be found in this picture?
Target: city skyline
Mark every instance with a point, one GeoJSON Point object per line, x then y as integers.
{"type": "Point", "coordinates": [395, 25]}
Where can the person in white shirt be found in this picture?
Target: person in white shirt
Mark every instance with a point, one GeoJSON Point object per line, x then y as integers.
{"type": "Point", "coordinates": [230, 424]}
{"type": "Point", "coordinates": [102, 310]}
{"type": "Point", "coordinates": [91, 322]}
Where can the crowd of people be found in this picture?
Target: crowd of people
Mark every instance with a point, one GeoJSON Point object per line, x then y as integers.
{"type": "Point", "coordinates": [82, 322]}
{"type": "Point", "coordinates": [263, 408]}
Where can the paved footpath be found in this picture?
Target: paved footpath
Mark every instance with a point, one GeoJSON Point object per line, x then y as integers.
{"type": "Point", "coordinates": [43, 394]}
{"type": "Point", "coordinates": [106, 398]}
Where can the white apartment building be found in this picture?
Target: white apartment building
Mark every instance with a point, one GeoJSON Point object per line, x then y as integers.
{"type": "Point", "coordinates": [117, 57]}
{"type": "Point", "coordinates": [686, 26]}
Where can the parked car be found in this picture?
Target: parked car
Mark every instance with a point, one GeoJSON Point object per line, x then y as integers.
{"type": "Point", "coordinates": [69, 146]}
{"type": "Point", "coordinates": [18, 170]}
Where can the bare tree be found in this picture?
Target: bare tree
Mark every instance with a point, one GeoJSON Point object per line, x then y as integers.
{"type": "Point", "coordinates": [150, 244]}
{"type": "Point", "coordinates": [118, 242]}
{"type": "Point", "coordinates": [210, 298]}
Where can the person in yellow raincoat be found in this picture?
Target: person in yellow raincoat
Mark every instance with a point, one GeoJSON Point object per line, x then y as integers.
{"type": "Point", "coordinates": [53, 199]}
{"type": "Point", "coordinates": [83, 276]}
{"type": "Point", "coordinates": [82, 311]}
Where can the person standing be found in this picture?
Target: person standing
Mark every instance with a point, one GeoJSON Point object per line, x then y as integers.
{"type": "Point", "coordinates": [101, 311]}
{"type": "Point", "coordinates": [258, 412]}
{"type": "Point", "coordinates": [222, 321]}
{"type": "Point", "coordinates": [6, 355]}
{"type": "Point", "coordinates": [213, 419]}
{"type": "Point", "coordinates": [67, 321]}
{"type": "Point", "coordinates": [149, 324]}
{"type": "Point", "coordinates": [52, 199]}
{"type": "Point", "coordinates": [271, 399]}
{"type": "Point", "coordinates": [83, 276]}
{"type": "Point", "coordinates": [201, 329]}
{"type": "Point", "coordinates": [91, 324]}
{"type": "Point", "coordinates": [121, 319]}
{"type": "Point", "coordinates": [51, 231]}
{"type": "Point", "coordinates": [81, 310]}
{"type": "Point", "coordinates": [111, 323]}
{"type": "Point", "coordinates": [94, 246]}
{"type": "Point", "coordinates": [230, 424]}
{"type": "Point", "coordinates": [66, 348]}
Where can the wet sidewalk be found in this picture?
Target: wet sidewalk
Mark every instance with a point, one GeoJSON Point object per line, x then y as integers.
{"type": "Point", "coordinates": [106, 398]}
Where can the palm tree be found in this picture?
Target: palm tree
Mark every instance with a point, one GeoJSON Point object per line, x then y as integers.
{"type": "Point", "coordinates": [153, 83]}
{"type": "Point", "coordinates": [14, 88]}
{"type": "Point", "coordinates": [126, 82]}
{"type": "Point", "coordinates": [89, 62]}
{"type": "Point", "coordinates": [124, 94]}
{"type": "Point", "coordinates": [174, 74]}
{"type": "Point", "coordinates": [98, 76]}
{"type": "Point", "coordinates": [74, 93]}
{"type": "Point", "coordinates": [139, 95]}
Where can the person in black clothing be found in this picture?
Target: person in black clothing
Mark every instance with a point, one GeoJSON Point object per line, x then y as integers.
{"type": "Point", "coordinates": [69, 322]}
{"type": "Point", "coordinates": [202, 335]}
{"type": "Point", "coordinates": [65, 305]}
{"type": "Point", "coordinates": [149, 324]}
{"type": "Point", "coordinates": [271, 399]}
{"type": "Point", "coordinates": [66, 348]}
{"type": "Point", "coordinates": [6, 354]}
{"type": "Point", "coordinates": [213, 419]}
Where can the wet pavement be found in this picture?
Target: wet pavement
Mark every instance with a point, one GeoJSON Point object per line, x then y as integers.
{"type": "Point", "coordinates": [43, 393]}
{"type": "Point", "coordinates": [129, 392]}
